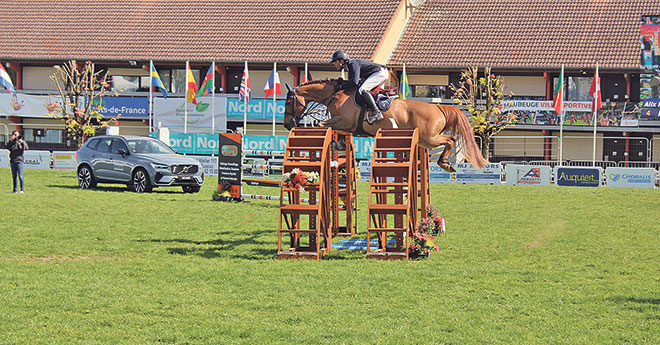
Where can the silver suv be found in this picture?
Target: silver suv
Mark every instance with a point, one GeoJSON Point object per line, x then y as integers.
{"type": "Point", "coordinates": [139, 162]}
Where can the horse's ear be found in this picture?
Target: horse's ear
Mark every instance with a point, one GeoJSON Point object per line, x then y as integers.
{"type": "Point", "coordinates": [288, 87]}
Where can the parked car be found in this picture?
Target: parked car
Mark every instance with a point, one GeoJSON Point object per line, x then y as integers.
{"type": "Point", "coordinates": [139, 162]}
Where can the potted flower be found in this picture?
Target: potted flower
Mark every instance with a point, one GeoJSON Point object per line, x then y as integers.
{"type": "Point", "coordinates": [439, 221]}
{"type": "Point", "coordinates": [298, 179]}
{"type": "Point", "coordinates": [422, 243]}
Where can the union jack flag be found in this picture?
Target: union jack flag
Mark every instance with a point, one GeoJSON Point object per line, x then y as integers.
{"type": "Point", "coordinates": [245, 92]}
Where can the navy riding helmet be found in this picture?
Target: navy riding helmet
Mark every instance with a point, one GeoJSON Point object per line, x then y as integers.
{"type": "Point", "coordinates": [339, 55]}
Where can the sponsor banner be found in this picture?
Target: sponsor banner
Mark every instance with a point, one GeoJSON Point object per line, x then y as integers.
{"type": "Point", "coordinates": [528, 175]}
{"type": "Point", "coordinates": [257, 108]}
{"type": "Point", "coordinates": [436, 174]}
{"type": "Point", "coordinates": [127, 107]}
{"type": "Point", "coordinates": [171, 113]}
{"type": "Point", "coordinates": [490, 174]}
{"type": "Point", "coordinates": [4, 158]}
{"type": "Point", "coordinates": [364, 146]}
{"type": "Point", "coordinates": [193, 143]}
{"type": "Point", "coordinates": [523, 105]}
{"type": "Point", "coordinates": [26, 105]}
{"type": "Point", "coordinates": [630, 177]}
{"type": "Point", "coordinates": [230, 162]}
{"type": "Point", "coordinates": [36, 159]}
{"type": "Point", "coordinates": [64, 160]}
{"type": "Point", "coordinates": [364, 166]}
{"type": "Point", "coordinates": [209, 164]}
{"type": "Point", "coordinates": [578, 176]}
{"type": "Point", "coordinates": [264, 142]}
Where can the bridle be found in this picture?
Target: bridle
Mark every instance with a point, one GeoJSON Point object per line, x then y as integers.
{"type": "Point", "coordinates": [311, 111]}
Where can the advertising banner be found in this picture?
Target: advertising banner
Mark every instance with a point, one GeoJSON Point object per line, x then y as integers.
{"type": "Point", "coordinates": [194, 143]}
{"type": "Point", "coordinates": [36, 159]}
{"type": "Point", "coordinates": [436, 174]}
{"type": "Point", "coordinates": [64, 160]}
{"type": "Point", "coordinates": [630, 177]}
{"type": "Point", "coordinates": [171, 113]}
{"type": "Point", "coordinates": [4, 159]}
{"type": "Point", "coordinates": [490, 174]}
{"type": "Point", "coordinates": [209, 164]}
{"type": "Point", "coordinates": [257, 109]}
{"type": "Point", "coordinates": [528, 175]}
{"type": "Point", "coordinates": [649, 78]}
{"type": "Point", "coordinates": [529, 112]}
{"type": "Point", "coordinates": [364, 166]}
{"type": "Point", "coordinates": [127, 107]}
{"type": "Point", "coordinates": [578, 176]}
{"type": "Point", "coordinates": [26, 105]}
{"type": "Point", "coordinates": [230, 162]}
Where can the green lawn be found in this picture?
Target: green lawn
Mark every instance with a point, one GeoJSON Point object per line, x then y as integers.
{"type": "Point", "coordinates": [535, 265]}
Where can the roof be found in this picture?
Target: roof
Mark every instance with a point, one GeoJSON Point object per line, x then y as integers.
{"type": "Point", "coordinates": [524, 33]}
{"type": "Point", "coordinates": [196, 30]}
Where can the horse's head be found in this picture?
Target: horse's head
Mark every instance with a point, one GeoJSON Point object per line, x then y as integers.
{"type": "Point", "coordinates": [293, 108]}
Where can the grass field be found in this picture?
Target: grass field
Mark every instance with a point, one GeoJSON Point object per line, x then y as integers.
{"type": "Point", "coordinates": [518, 265]}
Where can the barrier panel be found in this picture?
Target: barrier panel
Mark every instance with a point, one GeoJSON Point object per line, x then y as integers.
{"type": "Point", "coordinates": [64, 160]}
{"type": "Point", "coordinates": [578, 176]}
{"type": "Point", "coordinates": [36, 159]}
{"type": "Point", "coordinates": [490, 174]}
{"type": "Point", "coordinates": [4, 158]}
{"type": "Point", "coordinates": [631, 177]}
{"type": "Point", "coordinates": [528, 175]}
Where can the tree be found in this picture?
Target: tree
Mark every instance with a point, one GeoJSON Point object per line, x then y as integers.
{"type": "Point", "coordinates": [482, 97]}
{"type": "Point", "coordinates": [81, 89]}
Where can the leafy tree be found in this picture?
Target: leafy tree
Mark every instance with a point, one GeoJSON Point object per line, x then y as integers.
{"type": "Point", "coordinates": [81, 89]}
{"type": "Point", "coordinates": [482, 97]}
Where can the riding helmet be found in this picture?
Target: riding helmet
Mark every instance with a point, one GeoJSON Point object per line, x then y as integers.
{"type": "Point", "coordinates": [339, 55]}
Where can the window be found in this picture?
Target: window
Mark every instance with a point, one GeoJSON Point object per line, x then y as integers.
{"type": "Point", "coordinates": [118, 144]}
{"type": "Point", "coordinates": [179, 79]}
{"type": "Point", "coordinates": [148, 146]}
{"type": "Point", "coordinates": [135, 83]}
{"type": "Point", "coordinates": [93, 143]}
{"type": "Point", "coordinates": [578, 89]}
{"type": "Point", "coordinates": [428, 91]}
{"type": "Point", "coordinates": [44, 135]}
{"type": "Point", "coordinates": [104, 145]}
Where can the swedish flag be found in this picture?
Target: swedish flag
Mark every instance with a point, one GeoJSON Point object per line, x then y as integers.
{"type": "Point", "coordinates": [155, 81]}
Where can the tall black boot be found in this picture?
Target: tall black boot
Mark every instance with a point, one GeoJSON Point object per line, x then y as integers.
{"type": "Point", "coordinates": [374, 113]}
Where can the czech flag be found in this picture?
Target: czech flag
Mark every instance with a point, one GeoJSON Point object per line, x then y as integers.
{"type": "Point", "coordinates": [245, 92]}
{"type": "Point", "coordinates": [5, 81]}
{"type": "Point", "coordinates": [273, 84]}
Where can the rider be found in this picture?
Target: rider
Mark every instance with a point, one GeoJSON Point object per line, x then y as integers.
{"type": "Point", "coordinates": [373, 74]}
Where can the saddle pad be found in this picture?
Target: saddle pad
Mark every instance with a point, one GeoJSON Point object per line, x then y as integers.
{"type": "Point", "coordinates": [383, 102]}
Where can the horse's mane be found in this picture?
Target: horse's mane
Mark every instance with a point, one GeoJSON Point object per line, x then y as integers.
{"type": "Point", "coordinates": [319, 81]}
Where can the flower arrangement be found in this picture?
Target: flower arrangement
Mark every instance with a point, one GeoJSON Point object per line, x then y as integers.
{"type": "Point", "coordinates": [298, 179]}
{"type": "Point", "coordinates": [422, 242]}
{"type": "Point", "coordinates": [440, 222]}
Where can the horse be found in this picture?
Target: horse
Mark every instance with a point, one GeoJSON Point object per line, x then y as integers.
{"type": "Point", "coordinates": [433, 120]}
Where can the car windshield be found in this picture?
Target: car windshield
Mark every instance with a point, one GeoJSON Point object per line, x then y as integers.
{"type": "Point", "coordinates": [148, 146]}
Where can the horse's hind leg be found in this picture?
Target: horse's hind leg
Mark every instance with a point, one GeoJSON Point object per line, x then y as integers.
{"type": "Point", "coordinates": [448, 141]}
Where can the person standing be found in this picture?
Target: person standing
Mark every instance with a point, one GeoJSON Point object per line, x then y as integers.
{"type": "Point", "coordinates": [16, 147]}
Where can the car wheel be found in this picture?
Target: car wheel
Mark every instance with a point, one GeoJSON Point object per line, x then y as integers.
{"type": "Point", "coordinates": [191, 189]}
{"type": "Point", "coordinates": [86, 178]}
{"type": "Point", "coordinates": [141, 181]}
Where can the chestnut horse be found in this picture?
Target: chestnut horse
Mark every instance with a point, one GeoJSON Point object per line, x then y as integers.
{"type": "Point", "coordinates": [433, 120]}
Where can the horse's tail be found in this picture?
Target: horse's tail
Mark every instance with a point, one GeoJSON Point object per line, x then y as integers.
{"type": "Point", "coordinates": [463, 127]}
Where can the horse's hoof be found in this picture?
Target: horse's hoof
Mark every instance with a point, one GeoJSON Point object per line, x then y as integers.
{"type": "Point", "coordinates": [446, 167]}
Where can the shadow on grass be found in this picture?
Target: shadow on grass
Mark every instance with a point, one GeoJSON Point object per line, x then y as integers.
{"type": "Point", "coordinates": [622, 299]}
{"type": "Point", "coordinates": [116, 189]}
{"type": "Point", "coordinates": [231, 245]}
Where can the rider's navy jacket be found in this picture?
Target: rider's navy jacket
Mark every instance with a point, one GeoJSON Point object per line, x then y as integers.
{"type": "Point", "coordinates": [360, 69]}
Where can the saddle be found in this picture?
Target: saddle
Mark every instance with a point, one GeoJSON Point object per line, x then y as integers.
{"type": "Point", "coordinates": [383, 99]}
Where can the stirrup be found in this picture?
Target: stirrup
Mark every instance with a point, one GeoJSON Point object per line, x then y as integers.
{"type": "Point", "coordinates": [373, 116]}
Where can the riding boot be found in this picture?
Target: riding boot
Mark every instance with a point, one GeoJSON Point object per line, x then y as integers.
{"type": "Point", "coordinates": [374, 113]}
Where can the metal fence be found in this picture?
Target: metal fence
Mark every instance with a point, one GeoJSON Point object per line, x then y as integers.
{"type": "Point", "coordinates": [523, 148]}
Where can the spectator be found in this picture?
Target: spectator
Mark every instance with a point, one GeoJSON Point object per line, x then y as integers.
{"type": "Point", "coordinates": [16, 147]}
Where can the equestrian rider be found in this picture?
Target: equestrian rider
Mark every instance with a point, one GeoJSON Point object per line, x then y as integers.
{"type": "Point", "coordinates": [372, 74]}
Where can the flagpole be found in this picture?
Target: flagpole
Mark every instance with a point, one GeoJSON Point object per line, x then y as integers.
{"type": "Point", "coordinates": [213, 99]}
{"type": "Point", "coordinates": [185, 104]}
{"type": "Point", "coordinates": [245, 103]}
{"type": "Point", "coordinates": [151, 100]}
{"type": "Point", "coordinates": [305, 79]}
{"type": "Point", "coordinates": [561, 119]}
{"type": "Point", "coordinates": [595, 114]}
{"type": "Point", "coordinates": [274, 96]}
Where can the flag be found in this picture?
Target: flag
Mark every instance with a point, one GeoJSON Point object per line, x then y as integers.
{"type": "Point", "coordinates": [5, 81]}
{"type": "Point", "coordinates": [273, 84]}
{"type": "Point", "coordinates": [245, 92]}
{"type": "Point", "coordinates": [404, 87]}
{"type": "Point", "coordinates": [558, 101]}
{"type": "Point", "coordinates": [594, 92]}
{"type": "Point", "coordinates": [207, 84]}
{"type": "Point", "coordinates": [155, 81]}
{"type": "Point", "coordinates": [192, 87]}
